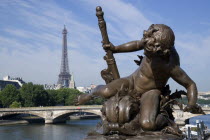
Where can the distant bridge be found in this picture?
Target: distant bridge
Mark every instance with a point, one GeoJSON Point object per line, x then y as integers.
{"type": "Point", "coordinates": [181, 117]}
{"type": "Point", "coordinates": [51, 114]}
{"type": "Point", "coordinates": [60, 113]}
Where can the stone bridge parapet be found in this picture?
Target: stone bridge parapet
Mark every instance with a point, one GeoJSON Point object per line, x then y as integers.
{"type": "Point", "coordinates": [51, 114]}
{"type": "Point", "coordinates": [59, 113]}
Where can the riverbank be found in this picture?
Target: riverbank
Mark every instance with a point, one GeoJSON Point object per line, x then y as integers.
{"type": "Point", "coordinates": [21, 120]}
{"type": "Point", "coordinates": [12, 122]}
{"type": "Point", "coordinates": [84, 117]}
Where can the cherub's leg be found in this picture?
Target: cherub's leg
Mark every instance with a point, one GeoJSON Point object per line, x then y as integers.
{"type": "Point", "coordinates": [149, 110]}
{"type": "Point", "coordinates": [105, 91]}
{"type": "Point", "coordinates": [150, 119]}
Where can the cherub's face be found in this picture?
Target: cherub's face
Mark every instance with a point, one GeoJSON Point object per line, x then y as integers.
{"type": "Point", "coordinates": [153, 47]}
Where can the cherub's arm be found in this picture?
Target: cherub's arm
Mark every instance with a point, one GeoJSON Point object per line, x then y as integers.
{"type": "Point", "coordinates": [183, 79]}
{"type": "Point", "coordinates": [127, 47]}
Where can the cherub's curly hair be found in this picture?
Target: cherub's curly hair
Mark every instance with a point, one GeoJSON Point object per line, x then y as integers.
{"type": "Point", "coordinates": [161, 33]}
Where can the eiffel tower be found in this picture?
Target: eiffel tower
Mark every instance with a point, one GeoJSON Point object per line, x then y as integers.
{"type": "Point", "coordinates": [64, 76]}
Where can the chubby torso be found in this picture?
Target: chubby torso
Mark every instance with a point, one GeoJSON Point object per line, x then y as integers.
{"type": "Point", "coordinates": [154, 73]}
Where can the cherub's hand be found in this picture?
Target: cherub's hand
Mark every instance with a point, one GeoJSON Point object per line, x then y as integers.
{"type": "Point", "coordinates": [76, 101]}
{"type": "Point", "coordinates": [82, 99]}
{"type": "Point", "coordinates": [109, 46]}
{"type": "Point", "coordinates": [195, 109]}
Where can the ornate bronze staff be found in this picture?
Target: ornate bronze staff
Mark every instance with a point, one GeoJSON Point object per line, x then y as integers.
{"type": "Point", "coordinates": [111, 73]}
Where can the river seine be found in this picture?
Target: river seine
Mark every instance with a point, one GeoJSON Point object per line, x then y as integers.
{"type": "Point", "coordinates": [72, 130]}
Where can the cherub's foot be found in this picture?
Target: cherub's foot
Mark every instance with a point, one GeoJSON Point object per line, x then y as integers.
{"type": "Point", "coordinates": [81, 99]}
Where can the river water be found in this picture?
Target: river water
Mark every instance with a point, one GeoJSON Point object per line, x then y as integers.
{"type": "Point", "coordinates": [72, 130]}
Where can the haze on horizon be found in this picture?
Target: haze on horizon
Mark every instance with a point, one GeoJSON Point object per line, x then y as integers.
{"type": "Point", "coordinates": [31, 37]}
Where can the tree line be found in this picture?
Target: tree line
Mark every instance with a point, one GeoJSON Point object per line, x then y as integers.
{"type": "Point", "coordinates": [184, 100]}
{"type": "Point", "coordinates": [33, 95]}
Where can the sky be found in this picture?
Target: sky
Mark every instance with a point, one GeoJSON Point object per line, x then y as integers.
{"type": "Point", "coordinates": [31, 37]}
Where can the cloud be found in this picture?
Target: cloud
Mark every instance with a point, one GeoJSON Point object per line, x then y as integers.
{"type": "Point", "coordinates": [31, 40]}
{"type": "Point", "coordinates": [34, 52]}
{"type": "Point", "coordinates": [194, 55]}
{"type": "Point", "coordinates": [128, 20]}
{"type": "Point", "coordinates": [205, 23]}
{"type": "Point", "coordinates": [39, 42]}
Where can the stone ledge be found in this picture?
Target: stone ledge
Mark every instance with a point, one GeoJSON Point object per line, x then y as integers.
{"type": "Point", "coordinates": [145, 137]}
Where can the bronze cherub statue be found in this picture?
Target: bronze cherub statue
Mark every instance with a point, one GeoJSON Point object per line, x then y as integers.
{"type": "Point", "coordinates": [141, 102]}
